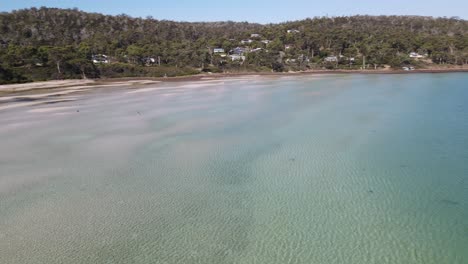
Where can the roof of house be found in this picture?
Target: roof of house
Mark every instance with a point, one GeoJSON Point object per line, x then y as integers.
{"type": "Point", "coordinates": [237, 50]}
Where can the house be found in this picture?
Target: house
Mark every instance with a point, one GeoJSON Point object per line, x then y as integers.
{"type": "Point", "coordinates": [148, 61]}
{"type": "Point", "coordinates": [255, 36]}
{"type": "Point", "coordinates": [236, 57]}
{"type": "Point", "coordinates": [303, 58]}
{"type": "Point", "coordinates": [293, 31]}
{"type": "Point", "coordinates": [246, 41]}
{"type": "Point", "coordinates": [288, 46]}
{"type": "Point", "coordinates": [266, 41]}
{"type": "Point", "coordinates": [331, 59]}
{"type": "Point", "coordinates": [100, 58]}
{"type": "Point", "coordinates": [256, 50]}
{"type": "Point", "coordinates": [218, 50]}
{"type": "Point", "coordinates": [350, 59]}
{"type": "Point", "coordinates": [416, 55]}
{"type": "Point", "coordinates": [238, 51]}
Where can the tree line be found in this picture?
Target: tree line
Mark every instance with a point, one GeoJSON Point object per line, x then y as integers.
{"type": "Point", "coordinates": [51, 43]}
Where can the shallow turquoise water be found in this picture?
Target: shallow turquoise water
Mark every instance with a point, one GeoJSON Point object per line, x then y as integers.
{"type": "Point", "coordinates": [334, 169]}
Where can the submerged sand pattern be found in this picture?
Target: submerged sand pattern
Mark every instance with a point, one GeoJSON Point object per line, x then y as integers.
{"type": "Point", "coordinates": [339, 169]}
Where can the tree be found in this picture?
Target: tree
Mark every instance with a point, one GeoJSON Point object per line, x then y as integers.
{"type": "Point", "coordinates": [135, 53]}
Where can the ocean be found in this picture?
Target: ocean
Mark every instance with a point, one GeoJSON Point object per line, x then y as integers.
{"type": "Point", "coordinates": [295, 169]}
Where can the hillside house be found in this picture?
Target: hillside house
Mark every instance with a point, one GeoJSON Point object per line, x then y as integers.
{"type": "Point", "coordinates": [236, 57]}
{"type": "Point", "coordinates": [238, 51]}
{"type": "Point", "coordinates": [100, 58]}
{"type": "Point", "coordinates": [148, 61]}
{"type": "Point", "coordinates": [246, 41]}
{"type": "Point", "coordinates": [416, 55]}
{"type": "Point", "coordinates": [255, 35]}
{"type": "Point", "coordinates": [266, 41]}
{"type": "Point", "coordinates": [331, 59]}
{"type": "Point", "coordinates": [293, 31]}
{"type": "Point", "coordinates": [218, 50]}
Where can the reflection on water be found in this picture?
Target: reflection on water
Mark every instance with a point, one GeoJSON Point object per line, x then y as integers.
{"type": "Point", "coordinates": [336, 169]}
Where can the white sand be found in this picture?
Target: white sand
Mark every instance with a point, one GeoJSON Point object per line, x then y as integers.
{"type": "Point", "coordinates": [43, 85]}
{"type": "Point", "coordinates": [50, 109]}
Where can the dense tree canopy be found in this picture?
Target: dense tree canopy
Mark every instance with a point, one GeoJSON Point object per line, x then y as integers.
{"type": "Point", "coordinates": [49, 43]}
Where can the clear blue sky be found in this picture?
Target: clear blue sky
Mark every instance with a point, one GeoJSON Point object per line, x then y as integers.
{"type": "Point", "coordinates": [251, 10]}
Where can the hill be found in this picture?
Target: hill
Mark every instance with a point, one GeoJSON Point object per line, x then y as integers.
{"type": "Point", "coordinates": [51, 43]}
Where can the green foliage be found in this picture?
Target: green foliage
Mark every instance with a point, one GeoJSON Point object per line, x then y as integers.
{"type": "Point", "coordinates": [278, 67]}
{"type": "Point", "coordinates": [9, 76]}
{"type": "Point", "coordinates": [52, 43]}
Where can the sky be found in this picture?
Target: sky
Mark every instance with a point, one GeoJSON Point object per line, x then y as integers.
{"type": "Point", "coordinates": [252, 11]}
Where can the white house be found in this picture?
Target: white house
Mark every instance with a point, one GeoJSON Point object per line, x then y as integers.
{"type": "Point", "coordinates": [293, 31]}
{"type": "Point", "coordinates": [416, 55]}
{"type": "Point", "coordinates": [331, 59]}
{"type": "Point", "coordinates": [255, 36]}
{"type": "Point", "coordinates": [218, 50]}
{"type": "Point", "coordinates": [246, 41]}
{"type": "Point", "coordinates": [236, 57]}
{"type": "Point", "coordinates": [266, 41]}
{"type": "Point", "coordinates": [100, 58]}
{"type": "Point", "coordinates": [256, 50]}
{"type": "Point", "coordinates": [148, 61]}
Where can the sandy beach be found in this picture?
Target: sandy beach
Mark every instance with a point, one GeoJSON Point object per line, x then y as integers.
{"type": "Point", "coordinates": [89, 83]}
{"type": "Point", "coordinates": [28, 92]}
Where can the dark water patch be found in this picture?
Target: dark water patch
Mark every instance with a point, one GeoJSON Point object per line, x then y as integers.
{"type": "Point", "coordinates": [56, 102]}
{"type": "Point", "coordinates": [234, 176]}
{"type": "Point", "coordinates": [449, 202]}
{"type": "Point", "coordinates": [237, 171]}
{"type": "Point", "coordinates": [24, 99]}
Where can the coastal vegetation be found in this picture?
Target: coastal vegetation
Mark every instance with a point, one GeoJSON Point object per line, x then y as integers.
{"type": "Point", "coordinates": [51, 43]}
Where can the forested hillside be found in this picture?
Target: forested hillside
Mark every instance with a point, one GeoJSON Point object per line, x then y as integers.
{"type": "Point", "coordinates": [50, 43]}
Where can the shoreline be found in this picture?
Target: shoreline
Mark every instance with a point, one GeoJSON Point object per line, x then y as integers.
{"type": "Point", "coordinates": [311, 72]}
{"type": "Point", "coordinates": [9, 89]}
